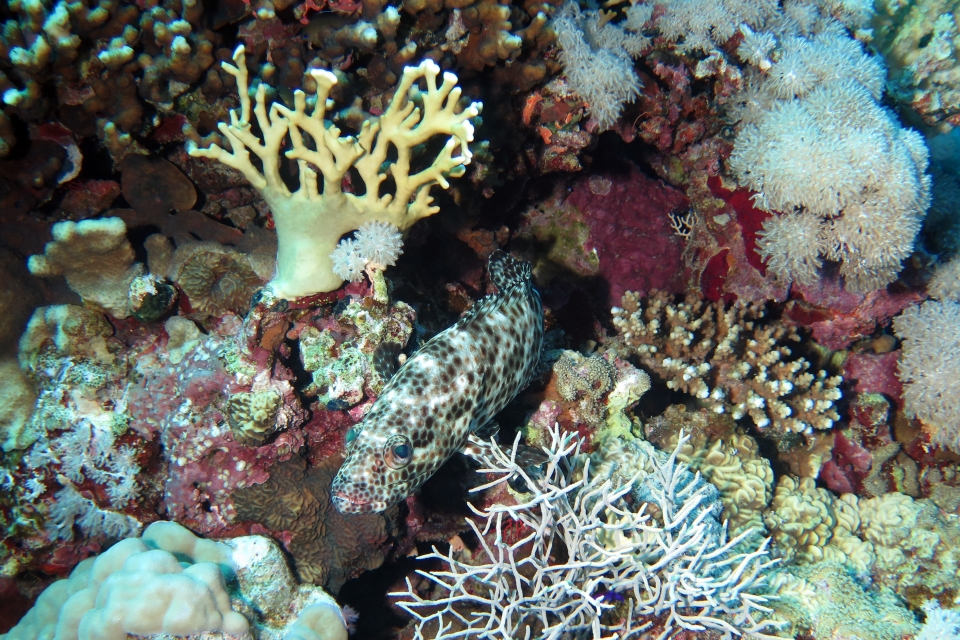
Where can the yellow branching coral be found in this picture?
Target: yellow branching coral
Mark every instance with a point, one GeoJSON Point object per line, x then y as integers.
{"type": "Point", "coordinates": [311, 220]}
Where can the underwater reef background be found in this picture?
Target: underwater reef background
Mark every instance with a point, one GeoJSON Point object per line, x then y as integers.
{"type": "Point", "coordinates": [224, 225]}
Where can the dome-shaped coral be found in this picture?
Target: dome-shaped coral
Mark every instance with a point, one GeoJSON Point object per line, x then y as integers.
{"type": "Point", "coordinates": [218, 281]}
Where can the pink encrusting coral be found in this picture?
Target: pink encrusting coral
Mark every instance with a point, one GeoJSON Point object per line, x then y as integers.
{"type": "Point", "coordinates": [613, 225]}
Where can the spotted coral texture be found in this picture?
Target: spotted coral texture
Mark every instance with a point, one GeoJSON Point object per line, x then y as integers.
{"type": "Point", "coordinates": [218, 281]}
{"type": "Point", "coordinates": [253, 415]}
{"type": "Point", "coordinates": [328, 548]}
{"type": "Point", "coordinates": [341, 358]}
{"type": "Point", "coordinates": [585, 380]}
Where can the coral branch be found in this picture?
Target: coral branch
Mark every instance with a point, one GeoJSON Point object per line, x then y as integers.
{"type": "Point", "coordinates": [311, 221]}
{"type": "Point", "coordinates": [583, 547]}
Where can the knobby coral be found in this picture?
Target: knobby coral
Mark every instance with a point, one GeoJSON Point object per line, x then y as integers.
{"type": "Point", "coordinates": [311, 221]}
{"type": "Point", "coordinates": [96, 259]}
{"type": "Point", "coordinates": [732, 359]}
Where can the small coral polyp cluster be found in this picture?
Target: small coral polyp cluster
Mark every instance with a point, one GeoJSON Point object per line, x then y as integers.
{"type": "Point", "coordinates": [222, 236]}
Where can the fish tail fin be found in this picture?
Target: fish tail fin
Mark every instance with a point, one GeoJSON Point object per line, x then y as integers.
{"type": "Point", "coordinates": [507, 271]}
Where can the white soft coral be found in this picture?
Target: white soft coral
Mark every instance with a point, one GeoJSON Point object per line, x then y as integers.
{"type": "Point", "coordinates": [817, 146]}
{"type": "Point", "coordinates": [347, 261]}
{"type": "Point", "coordinates": [377, 243]}
{"type": "Point", "coordinates": [929, 368]}
{"type": "Point", "coordinates": [380, 243]}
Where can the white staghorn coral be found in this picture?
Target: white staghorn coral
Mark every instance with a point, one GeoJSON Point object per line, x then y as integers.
{"type": "Point", "coordinates": [582, 547]}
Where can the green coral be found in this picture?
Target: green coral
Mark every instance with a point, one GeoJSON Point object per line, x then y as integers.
{"type": "Point", "coordinates": [343, 371]}
{"type": "Point", "coordinates": [825, 601]}
{"type": "Point", "coordinates": [231, 355]}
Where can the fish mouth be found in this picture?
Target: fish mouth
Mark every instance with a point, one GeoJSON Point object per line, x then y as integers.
{"type": "Point", "coordinates": [345, 504]}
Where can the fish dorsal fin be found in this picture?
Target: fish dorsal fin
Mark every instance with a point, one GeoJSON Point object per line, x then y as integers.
{"type": "Point", "coordinates": [386, 359]}
{"type": "Point", "coordinates": [506, 271]}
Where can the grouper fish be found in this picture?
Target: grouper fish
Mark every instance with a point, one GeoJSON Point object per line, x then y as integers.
{"type": "Point", "coordinates": [449, 389]}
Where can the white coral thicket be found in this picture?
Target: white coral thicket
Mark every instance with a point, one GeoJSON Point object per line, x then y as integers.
{"type": "Point", "coordinates": [597, 57]}
{"type": "Point", "coordinates": [582, 547]}
{"type": "Point", "coordinates": [696, 25]}
{"type": "Point", "coordinates": [378, 243]}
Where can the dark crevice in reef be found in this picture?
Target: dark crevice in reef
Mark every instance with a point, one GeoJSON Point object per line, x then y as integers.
{"type": "Point", "coordinates": [377, 619]}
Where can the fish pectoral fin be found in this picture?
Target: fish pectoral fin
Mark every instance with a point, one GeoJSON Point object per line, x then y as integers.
{"type": "Point", "coordinates": [531, 456]}
{"type": "Point", "coordinates": [487, 431]}
{"type": "Point", "coordinates": [387, 359]}
{"type": "Point", "coordinates": [476, 448]}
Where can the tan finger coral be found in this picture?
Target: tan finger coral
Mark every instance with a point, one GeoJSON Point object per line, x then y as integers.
{"type": "Point", "coordinates": [733, 359]}
{"type": "Point", "coordinates": [96, 259]}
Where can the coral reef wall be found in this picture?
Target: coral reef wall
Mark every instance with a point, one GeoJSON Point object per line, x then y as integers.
{"type": "Point", "coordinates": [226, 225]}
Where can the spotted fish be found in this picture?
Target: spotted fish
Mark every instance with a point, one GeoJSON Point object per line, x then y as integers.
{"type": "Point", "coordinates": [451, 388]}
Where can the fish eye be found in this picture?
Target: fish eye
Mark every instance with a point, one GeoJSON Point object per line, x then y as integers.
{"type": "Point", "coordinates": [351, 434]}
{"type": "Point", "coordinates": [397, 452]}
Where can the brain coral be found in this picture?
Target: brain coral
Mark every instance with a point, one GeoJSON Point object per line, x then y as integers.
{"type": "Point", "coordinates": [328, 548]}
{"type": "Point", "coordinates": [217, 281]}
{"type": "Point", "coordinates": [253, 416]}
{"type": "Point", "coordinates": [801, 519]}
